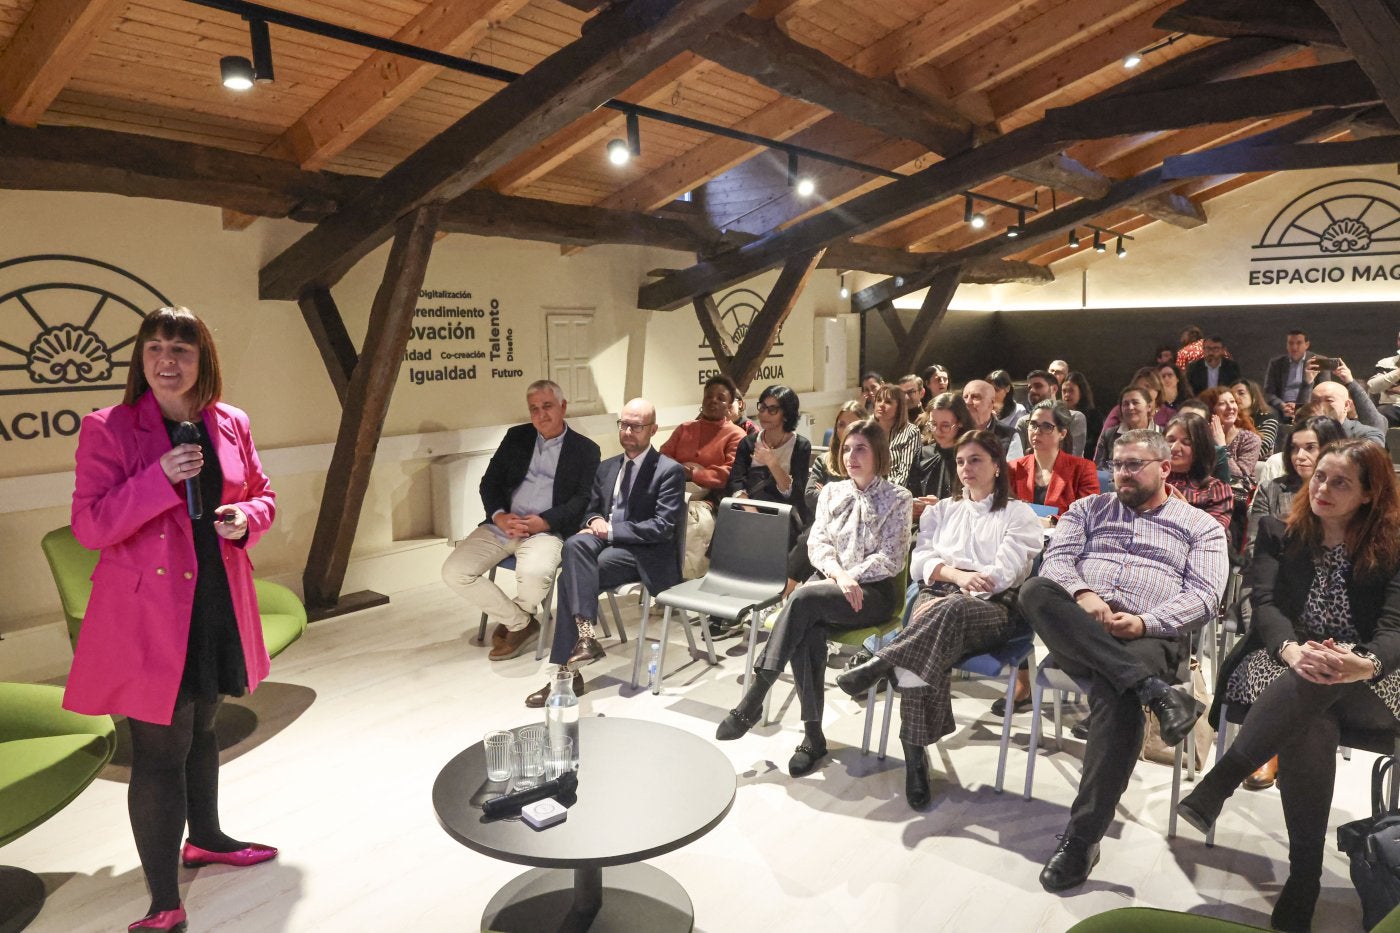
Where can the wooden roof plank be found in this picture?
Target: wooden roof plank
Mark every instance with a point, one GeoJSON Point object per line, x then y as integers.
{"type": "Point", "coordinates": [623, 45]}
{"type": "Point", "coordinates": [1371, 30]}
{"type": "Point", "coordinates": [46, 50]}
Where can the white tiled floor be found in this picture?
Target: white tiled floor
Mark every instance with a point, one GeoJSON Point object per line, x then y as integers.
{"type": "Point", "coordinates": [362, 713]}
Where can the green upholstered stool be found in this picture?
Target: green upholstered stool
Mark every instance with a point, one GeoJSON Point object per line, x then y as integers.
{"type": "Point", "coordinates": [47, 757]}
{"type": "Point", "coordinates": [283, 615]}
{"type": "Point", "coordinates": [1152, 920]}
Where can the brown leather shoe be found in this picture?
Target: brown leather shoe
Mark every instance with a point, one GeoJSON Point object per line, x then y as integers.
{"type": "Point", "coordinates": [498, 635]}
{"type": "Point", "coordinates": [1265, 777]}
{"type": "Point", "coordinates": [536, 699]}
{"type": "Point", "coordinates": [516, 642]}
{"type": "Point", "coordinates": [586, 651]}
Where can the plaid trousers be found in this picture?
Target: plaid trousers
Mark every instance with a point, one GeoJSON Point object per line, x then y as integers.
{"type": "Point", "coordinates": [942, 632]}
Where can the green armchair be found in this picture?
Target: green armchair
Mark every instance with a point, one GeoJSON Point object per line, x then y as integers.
{"type": "Point", "coordinates": [47, 757]}
{"type": "Point", "coordinates": [283, 615]}
{"type": "Point", "coordinates": [1152, 920]}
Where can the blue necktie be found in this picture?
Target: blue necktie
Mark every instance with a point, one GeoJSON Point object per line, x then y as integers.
{"type": "Point", "coordinates": [619, 509]}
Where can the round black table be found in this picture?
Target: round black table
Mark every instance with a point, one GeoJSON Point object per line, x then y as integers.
{"type": "Point", "coordinates": [644, 789]}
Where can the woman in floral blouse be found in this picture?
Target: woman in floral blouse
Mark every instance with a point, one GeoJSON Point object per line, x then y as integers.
{"type": "Point", "coordinates": [859, 543]}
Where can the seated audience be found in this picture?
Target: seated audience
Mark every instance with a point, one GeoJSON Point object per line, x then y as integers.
{"type": "Point", "coordinates": [1147, 379]}
{"type": "Point", "coordinates": [1323, 654]}
{"type": "Point", "coordinates": [1350, 404]}
{"type": "Point", "coordinates": [534, 493]}
{"type": "Point", "coordinates": [1302, 445]}
{"type": "Point", "coordinates": [1079, 397]}
{"type": "Point", "coordinates": [1232, 429]}
{"type": "Point", "coordinates": [1059, 369]}
{"type": "Point", "coordinates": [972, 549]}
{"type": "Point", "coordinates": [1194, 406]}
{"type": "Point", "coordinates": [903, 437]}
{"type": "Point", "coordinates": [1123, 575]}
{"type": "Point", "coordinates": [629, 534]}
{"type": "Point", "coordinates": [1192, 343]}
{"type": "Point", "coordinates": [1163, 356]}
{"type": "Point", "coordinates": [868, 384]}
{"type": "Point", "coordinates": [980, 398]}
{"type": "Point", "coordinates": [1385, 386]}
{"type": "Point", "coordinates": [1048, 475]}
{"type": "Point", "coordinates": [935, 380]}
{"type": "Point", "coordinates": [1040, 387]}
{"type": "Point", "coordinates": [1192, 465]}
{"type": "Point", "coordinates": [737, 414]}
{"type": "Point", "coordinates": [1008, 411]}
{"type": "Point", "coordinates": [1251, 401]}
{"type": "Point", "coordinates": [773, 464]}
{"type": "Point", "coordinates": [858, 544]}
{"type": "Point", "coordinates": [1273, 467]}
{"type": "Point", "coordinates": [1286, 381]}
{"type": "Point", "coordinates": [1214, 369]}
{"type": "Point", "coordinates": [933, 475]}
{"type": "Point", "coordinates": [826, 468]}
{"type": "Point", "coordinates": [705, 448]}
{"type": "Point", "coordinates": [1134, 413]}
{"type": "Point", "coordinates": [1175, 388]}
{"type": "Point", "coordinates": [913, 388]}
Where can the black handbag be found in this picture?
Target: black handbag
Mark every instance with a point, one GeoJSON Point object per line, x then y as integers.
{"type": "Point", "coordinates": [1373, 845]}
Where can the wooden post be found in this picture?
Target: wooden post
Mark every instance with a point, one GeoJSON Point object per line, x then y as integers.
{"type": "Point", "coordinates": [935, 307]}
{"type": "Point", "coordinates": [328, 330]}
{"type": "Point", "coordinates": [366, 403]}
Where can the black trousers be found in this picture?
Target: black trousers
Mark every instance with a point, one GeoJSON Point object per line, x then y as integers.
{"type": "Point", "coordinates": [1113, 666]}
{"type": "Point", "coordinates": [815, 609]}
{"type": "Point", "coordinates": [1302, 722]}
{"type": "Point", "coordinates": [588, 566]}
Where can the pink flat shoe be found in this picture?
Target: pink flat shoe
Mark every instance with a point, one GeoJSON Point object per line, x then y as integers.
{"type": "Point", "coordinates": [173, 921]}
{"type": "Point", "coordinates": [193, 856]}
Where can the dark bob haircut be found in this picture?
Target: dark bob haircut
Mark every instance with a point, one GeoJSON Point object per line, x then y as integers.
{"type": "Point", "coordinates": [787, 400]}
{"type": "Point", "coordinates": [176, 323]}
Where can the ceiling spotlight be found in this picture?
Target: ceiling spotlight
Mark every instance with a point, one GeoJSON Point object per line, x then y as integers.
{"type": "Point", "coordinates": [618, 153]}
{"type": "Point", "coordinates": [236, 72]}
{"type": "Point", "coordinates": [1020, 226]}
{"type": "Point", "coordinates": [1074, 239]}
{"type": "Point", "coordinates": [978, 221]}
{"type": "Point", "coordinates": [806, 187]}
{"type": "Point", "coordinates": [845, 292]}
{"type": "Point", "coordinates": [1099, 246]}
{"type": "Point", "coordinates": [1122, 250]}
{"type": "Point", "coordinates": [1013, 231]}
{"type": "Point", "coordinates": [1132, 60]}
{"type": "Point", "coordinates": [899, 281]}
{"type": "Point", "coordinates": [262, 50]}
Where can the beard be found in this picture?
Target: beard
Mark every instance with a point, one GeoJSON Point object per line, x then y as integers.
{"type": "Point", "coordinates": [1138, 494]}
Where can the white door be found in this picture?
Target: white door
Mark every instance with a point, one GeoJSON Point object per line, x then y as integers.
{"type": "Point", "coordinates": [567, 351]}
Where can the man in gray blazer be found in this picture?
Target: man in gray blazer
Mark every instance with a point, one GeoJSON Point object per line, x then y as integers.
{"type": "Point", "coordinates": [1286, 385]}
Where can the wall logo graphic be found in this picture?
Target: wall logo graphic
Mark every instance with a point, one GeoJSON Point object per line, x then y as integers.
{"type": "Point", "coordinates": [736, 313]}
{"type": "Point", "coordinates": [67, 323]}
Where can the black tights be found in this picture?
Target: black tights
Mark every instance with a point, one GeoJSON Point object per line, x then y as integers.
{"type": "Point", "coordinates": [1301, 722]}
{"type": "Point", "coordinates": [174, 778]}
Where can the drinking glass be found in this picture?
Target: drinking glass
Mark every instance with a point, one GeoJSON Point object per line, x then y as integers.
{"type": "Point", "coordinates": [500, 749]}
{"type": "Point", "coordinates": [534, 766]}
{"type": "Point", "coordinates": [529, 763]}
{"type": "Point", "coordinates": [558, 756]}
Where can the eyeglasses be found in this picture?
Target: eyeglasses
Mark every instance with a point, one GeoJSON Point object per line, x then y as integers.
{"type": "Point", "coordinates": [633, 427]}
{"type": "Point", "coordinates": [1042, 426]}
{"type": "Point", "coordinates": [770, 409]}
{"type": "Point", "coordinates": [1130, 466]}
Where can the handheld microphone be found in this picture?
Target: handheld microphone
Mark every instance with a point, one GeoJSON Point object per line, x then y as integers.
{"type": "Point", "coordinates": [187, 432]}
{"type": "Point", "coordinates": [510, 804]}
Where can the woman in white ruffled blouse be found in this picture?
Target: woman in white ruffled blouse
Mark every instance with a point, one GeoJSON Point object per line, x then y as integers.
{"type": "Point", "coordinates": [973, 548]}
{"type": "Point", "coordinates": [858, 543]}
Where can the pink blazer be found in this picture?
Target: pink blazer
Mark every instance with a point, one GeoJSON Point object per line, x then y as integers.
{"type": "Point", "coordinates": [130, 654]}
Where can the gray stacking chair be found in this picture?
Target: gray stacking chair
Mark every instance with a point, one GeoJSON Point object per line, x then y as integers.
{"type": "Point", "coordinates": [748, 572]}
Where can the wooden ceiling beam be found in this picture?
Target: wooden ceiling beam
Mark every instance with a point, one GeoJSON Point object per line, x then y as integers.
{"type": "Point", "coordinates": [624, 44]}
{"type": "Point", "coordinates": [383, 81]}
{"type": "Point", "coordinates": [1371, 31]}
{"type": "Point", "coordinates": [761, 51]}
{"type": "Point", "coordinates": [940, 293]}
{"type": "Point", "coordinates": [1126, 192]}
{"type": "Point", "coordinates": [1235, 160]}
{"type": "Point", "coordinates": [46, 50]}
{"type": "Point", "coordinates": [1338, 85]}
{"type": "Point", "coordinates": [1290, 20]}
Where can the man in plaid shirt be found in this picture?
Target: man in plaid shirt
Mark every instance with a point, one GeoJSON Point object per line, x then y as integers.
{"type": "Point", "coordinates": [1124, 573]}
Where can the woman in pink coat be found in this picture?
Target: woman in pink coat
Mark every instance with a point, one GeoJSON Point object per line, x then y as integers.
{"type": "Point", "coordinates": [172, 625]}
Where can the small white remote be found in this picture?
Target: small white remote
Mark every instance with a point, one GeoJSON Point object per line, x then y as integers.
{"type": "Point", "coordinates": [544, 813]}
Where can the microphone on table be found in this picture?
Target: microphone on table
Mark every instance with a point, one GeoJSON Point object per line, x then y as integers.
{"type": "Point", "coordinates": [510, 804]}
{"type": "Point", "coordinates": [187, 432]}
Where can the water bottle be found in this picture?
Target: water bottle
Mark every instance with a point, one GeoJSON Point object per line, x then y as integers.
{"type": "Point", "coordinates": [561, 710]}
{"type": "Point", "coordinates": [654, 668]}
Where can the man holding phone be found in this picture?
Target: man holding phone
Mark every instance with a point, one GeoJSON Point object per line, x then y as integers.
{"type": "Point", "coordinates": [1288, 381]}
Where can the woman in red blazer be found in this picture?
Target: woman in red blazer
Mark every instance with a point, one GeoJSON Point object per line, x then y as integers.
{"type": "Point", "coordinates": [172, 625]}
{"type": "Point", "coordinates": [1049, 476]}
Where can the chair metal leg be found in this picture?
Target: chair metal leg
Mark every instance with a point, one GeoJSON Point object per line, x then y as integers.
{"type": "Point", "coordinates": [1059, 702]}
{"type": "Point", "coordinates": [885, 726]}
{"type": "Point", "coordinates": [642, 646]}
{"type": "Point", "coordinates": [1006, 725]}
{"type": "Point", "coordinates": [1176, 785]}
{"type": "Point", "coordinates": [709, 642]}
{"type": "Point", "coordinates": [870, 701]}
{"type": "Point", "coordinates": [1037, 698]}
{"type": "Point", "coordinates": [750, 658]}
{"type": "Point", "coordinates": [1221, 740]}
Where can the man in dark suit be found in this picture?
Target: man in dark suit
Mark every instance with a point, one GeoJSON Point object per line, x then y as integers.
{"type": "Point", "coordinates": [1286, 384]}
{"type": "Point", "coordinates": [634, 515]}
{"type": "Point", "coordinates": [1213, 369]}
{"type": "Point", "coordinates": [534, 492]}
